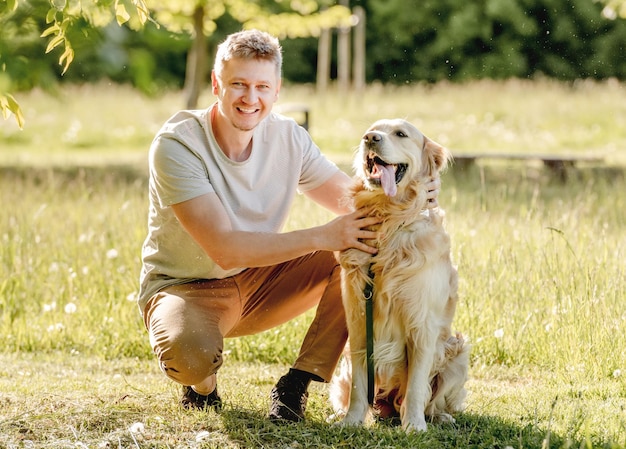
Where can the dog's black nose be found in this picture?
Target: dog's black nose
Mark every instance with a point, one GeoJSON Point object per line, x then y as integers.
{"type": "Point", "coordinates": [372, 136]}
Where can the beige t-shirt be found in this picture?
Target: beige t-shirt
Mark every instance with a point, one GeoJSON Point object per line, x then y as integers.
{"type": "Point", "coordinates": [186, 162]}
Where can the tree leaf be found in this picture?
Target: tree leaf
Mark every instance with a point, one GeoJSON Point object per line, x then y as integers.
{"type": "Point", "coordinates": [53, 29]}
{"type": "Point", "coordinates": [142, 11]}
{"type": "Point", "coordinates": [11, 5]}
{"type": "Point", "coordinates": [54, 42]}
{"type": "Point", "coordinates": [51, 15]}
{"type": "Point", "coordinates": [9, 104]}
{"type": "Point", "coordinates": [67, 56]}
{"type": "Point", "coordinates": [121, 15]}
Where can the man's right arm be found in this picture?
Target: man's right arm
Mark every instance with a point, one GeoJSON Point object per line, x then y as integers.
{"type": "Point", "coordinates": [205, 219]}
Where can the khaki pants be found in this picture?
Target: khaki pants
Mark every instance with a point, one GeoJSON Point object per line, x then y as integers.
{"type": "Point", "coordinates": [187, 323]}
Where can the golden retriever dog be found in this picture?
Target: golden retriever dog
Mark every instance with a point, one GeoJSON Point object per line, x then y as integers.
{"type": "Point", "coordinates": [420, 365]}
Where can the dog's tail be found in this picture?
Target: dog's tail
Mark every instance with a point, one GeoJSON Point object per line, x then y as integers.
{"type": "Point", "coordinates": [448, 392]}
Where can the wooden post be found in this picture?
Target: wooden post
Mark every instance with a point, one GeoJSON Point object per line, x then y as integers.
{"type": "Point", "coordinates": [323, 60]}
{"type": "Point", "coordinates": [196, 70]}
{"type": "Point", "coordinates": [343, 54]}
{"type": "Point", "coordinates": [358, 69]}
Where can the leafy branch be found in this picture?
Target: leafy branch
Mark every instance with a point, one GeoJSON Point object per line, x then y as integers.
{"type": "Point", "coordinates": [60, 18]}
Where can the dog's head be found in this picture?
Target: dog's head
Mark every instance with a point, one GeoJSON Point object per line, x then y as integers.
{"type": "Point", "coordinates": [394, 154]}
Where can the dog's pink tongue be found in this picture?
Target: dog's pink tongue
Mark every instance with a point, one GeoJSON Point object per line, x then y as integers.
{"type": "Point", "coordinates": [388, 179]}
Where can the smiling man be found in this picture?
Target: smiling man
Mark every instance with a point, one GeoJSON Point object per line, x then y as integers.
{"type": "Point", "coordinates": [215, 262]}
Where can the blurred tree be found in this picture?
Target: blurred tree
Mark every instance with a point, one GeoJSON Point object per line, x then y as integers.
{"type": "Point", "coordinates": [457, 40]}
{"type": "Point", "coordinates": [407, 40]}
{"type": "Point", "coordinates": [294, 18]}
{"type": "Point", "coordinates": [197, 18]}
{"type": "Point", "coordinates": [21, 20]}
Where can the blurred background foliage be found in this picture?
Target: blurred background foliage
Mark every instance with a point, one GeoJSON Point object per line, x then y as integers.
{"type": "Point", "coordinates": [406, 41]}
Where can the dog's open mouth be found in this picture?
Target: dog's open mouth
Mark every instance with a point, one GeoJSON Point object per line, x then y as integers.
{"type": "Point", "coordinates": [388, 175]}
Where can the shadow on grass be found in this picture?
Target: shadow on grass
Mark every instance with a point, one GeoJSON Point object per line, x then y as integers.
{"type": "Point", "coordinates": [252, 429]}
{"type": "Point", "coordinates": [504, 172]}
{"type": "Point", "coordinates": [107, 174]}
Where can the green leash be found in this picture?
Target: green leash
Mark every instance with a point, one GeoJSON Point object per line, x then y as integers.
{"type": "Point", "coordinates": [368, 294]}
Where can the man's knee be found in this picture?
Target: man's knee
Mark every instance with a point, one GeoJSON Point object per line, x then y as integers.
{"type": "Point", "coordinates": [190, 360]}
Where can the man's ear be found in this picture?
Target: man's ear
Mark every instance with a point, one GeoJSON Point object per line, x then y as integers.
{"type": "Point", "coordinates": [215, 83]}
{"type": "Point", "coordinates": [280, 83]}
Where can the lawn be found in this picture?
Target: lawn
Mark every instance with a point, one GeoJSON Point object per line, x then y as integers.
{"type": "Point", "coordinates": [541, 262]}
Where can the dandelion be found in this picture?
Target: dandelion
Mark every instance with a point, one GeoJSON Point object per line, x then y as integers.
{"type": "Point", "coordinates": [54, 267]}
{"type": "Point", "coordinates": [131, 297]}
{"type": "Point", "coordinates": [499, 333]}
{"type": "Point", "coordinates": [112, 253]}
{"type": "Point", "coordinates": [50, 307]}
{"type": "Point", "coordinates": [617, 373]}
{"type": "Point", "coordinates": [56, 327]}
{"type": "Point", "coordinates": [137, 427]}
{"type": "Point", "coordinates": [70, 308]}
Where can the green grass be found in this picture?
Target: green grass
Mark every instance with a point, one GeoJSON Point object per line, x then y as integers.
{"type": "Point", "coordinates": [541, 262]}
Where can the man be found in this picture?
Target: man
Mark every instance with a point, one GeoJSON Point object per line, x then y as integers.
{"type": "Point", "coordinates": [215, 264]}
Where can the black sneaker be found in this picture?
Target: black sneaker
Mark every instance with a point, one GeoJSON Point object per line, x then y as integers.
{"type": "Point", "coordinates": [192, 400]}
{"type": "Point", "coordinates": [289, 398]}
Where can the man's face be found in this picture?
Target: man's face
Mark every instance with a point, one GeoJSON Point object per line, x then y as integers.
{"type": "Point", "coordinates": [246, 91]}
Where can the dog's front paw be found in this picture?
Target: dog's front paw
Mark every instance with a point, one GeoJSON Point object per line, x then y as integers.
{"type": "Point", "coordinates": [336, 417]}
{"type": "Point", "coordinates": [443, 418]}
{"type": "Point", "coordinates": [418, 425]}
{"type": "Point", "coordinates": [351, 420]}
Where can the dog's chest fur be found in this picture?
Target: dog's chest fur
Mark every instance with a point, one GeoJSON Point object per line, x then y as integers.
{"type": "Point", "coordinates": [412, 244]}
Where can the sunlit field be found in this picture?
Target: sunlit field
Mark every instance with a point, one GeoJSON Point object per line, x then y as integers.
{"type": "Point", "coordinates": [541, 263]}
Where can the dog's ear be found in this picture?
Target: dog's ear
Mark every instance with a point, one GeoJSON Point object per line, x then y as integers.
{"type": "Point", "coordinates": [437, 155]}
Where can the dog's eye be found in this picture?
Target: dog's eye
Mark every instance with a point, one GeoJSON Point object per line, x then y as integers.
{"type": "Point", "coordinates": [401, 134]}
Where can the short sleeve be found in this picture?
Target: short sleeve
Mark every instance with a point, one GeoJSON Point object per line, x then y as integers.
{"type": "Point", "coordinates": [316, 168]}
{"type": "Point", "coordinates": [178, 173]}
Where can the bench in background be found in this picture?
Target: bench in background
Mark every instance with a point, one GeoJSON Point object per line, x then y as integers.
{"type": "Point", "coordinates": [557, 163]}
{"type": "Point", "coordinates": [299, 111]}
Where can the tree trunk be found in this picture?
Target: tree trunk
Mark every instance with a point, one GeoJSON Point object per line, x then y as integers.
{"type": "Point", "coordinates": [343, 58]}
{"type": "Point", "coordinates": [343, 54]}
{"type": "Point", "coordinates": [196, 70]}
{"type": "Point", "coordinates": [323, 60]}
{"type": "Point", "coordinates": [358, 69]}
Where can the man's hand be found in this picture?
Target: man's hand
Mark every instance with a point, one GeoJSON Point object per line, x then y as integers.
{"type": "Point", "coordinates": [349, 231]}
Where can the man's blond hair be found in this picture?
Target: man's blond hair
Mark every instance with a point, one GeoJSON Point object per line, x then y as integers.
{"type": "Point", "coordinates": [249, 44]}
